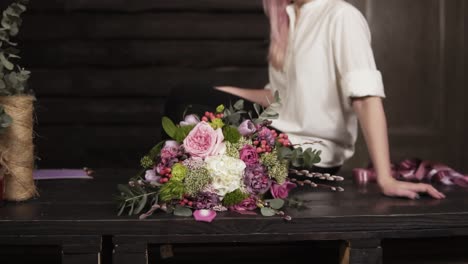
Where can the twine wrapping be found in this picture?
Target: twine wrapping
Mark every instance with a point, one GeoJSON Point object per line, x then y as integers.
{"type": "Point", "coordinates": [17, 148]}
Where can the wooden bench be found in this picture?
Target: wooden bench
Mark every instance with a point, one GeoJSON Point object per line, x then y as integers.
{"type": "Point", "coordinates": [76, 214]}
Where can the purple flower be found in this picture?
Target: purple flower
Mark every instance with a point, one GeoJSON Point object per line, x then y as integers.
{"type": "Point", "coordinates": [151, 176]}
{"type": "Point", "coordinates": [170, 150]}
{"type": "Point", "coordinates": [190, 120]}
{"type": "Point", "coordinates": [204, 215]}
{"type": "Point", "coordinates": [206, 200]}
{"type": "Point", "coordinates": [248, 204]}
{"type": "Point", "coordinates": [265, 133]}
{"type": "Point", "coordinates": [249, 155]}
{"type": "Point", "coordinates": [256, 179]}
{"type": "Point", "coordinates": [247, 128]}
{"type": "Point", "coordinates": [281, 191]}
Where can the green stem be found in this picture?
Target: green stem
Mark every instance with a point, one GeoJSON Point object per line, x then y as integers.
{"type": "Point", "coordinates": [135, 197]}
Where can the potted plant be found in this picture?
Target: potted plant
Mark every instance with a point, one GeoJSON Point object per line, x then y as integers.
{"type": "Point", "coordinates": [16, 142]}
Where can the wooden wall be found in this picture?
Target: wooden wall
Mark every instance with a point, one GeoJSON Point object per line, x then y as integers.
{"type": "Point", "coordinates": [104, 69]}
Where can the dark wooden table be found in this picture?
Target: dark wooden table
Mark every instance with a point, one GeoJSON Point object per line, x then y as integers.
{"type": "Point", "coordinates": [76, 214]}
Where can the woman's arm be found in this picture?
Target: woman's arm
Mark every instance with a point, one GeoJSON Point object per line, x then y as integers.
{"type": "Point", "coordinates": [373, 123]}
{"type": "Point", "coordinates": [263, 97]}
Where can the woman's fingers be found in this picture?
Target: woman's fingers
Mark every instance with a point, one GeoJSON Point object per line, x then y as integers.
{"type": "Point", "coordinates": [407, 193]}
{"type": "Point", "coordinates": [412, 190]}
{"type": "Point", "coordinates": [429, 189]}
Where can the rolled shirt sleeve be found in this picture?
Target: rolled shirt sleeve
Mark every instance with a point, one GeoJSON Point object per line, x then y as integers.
{"type": "Point", "coordinates": [354, 58]}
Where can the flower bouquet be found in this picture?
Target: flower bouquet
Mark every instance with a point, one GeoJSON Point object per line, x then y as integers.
{"type": "Point", "coordinates": [225, 160]}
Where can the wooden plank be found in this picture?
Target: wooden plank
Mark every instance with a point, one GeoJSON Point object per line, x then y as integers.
{"type": "Point", "coordinates": [125, 53]}
{"type": "Point", "coordinates": [146, 5]}
{"type": "Point", "coordinates": [151, 81]}
{"type": "Point", "coordinates": [99, 111]}
{"type": "Point", "coordinates": [145, 26]}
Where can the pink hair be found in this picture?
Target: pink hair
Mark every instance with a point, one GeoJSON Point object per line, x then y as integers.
{"type": "Point", "coordinates": [279, 31]}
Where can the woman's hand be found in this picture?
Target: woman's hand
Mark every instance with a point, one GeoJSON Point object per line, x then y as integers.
{"type": "Point", "coordinates": [374, 127]}
{"type": "Point", "coordinates": [395, 188]}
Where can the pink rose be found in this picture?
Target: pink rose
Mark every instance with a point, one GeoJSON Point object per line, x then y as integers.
{"type": "Point", "coordinates": [281, 191]}
{"type": "Point", "coordinates": [204, 141]}
{"type": "Point", "coordinates": [249, 155]}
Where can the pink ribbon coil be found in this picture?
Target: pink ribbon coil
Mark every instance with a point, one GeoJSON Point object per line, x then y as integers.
{"type": "Point", "coordinates": [416, 170]}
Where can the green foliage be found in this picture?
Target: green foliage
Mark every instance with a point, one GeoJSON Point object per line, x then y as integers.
{"type": "Point", "coordinates": [13, 80]}
{"type": "Point", "coordinates": [135, 198]}
{"type": "Point", "coordinates": [231, 134]}
{"type": "Point", "coordinates": [182, 132]}
{"type": "Point", "coordinates": [266, 211]}
{"type": "Point", "coordinates": [305, 159]}
{"type": "Point", "coordinates": [182, 211]}
{"type": "Point", "coordinates": [171, 190]}
{"type": "Point", "coordinates": [300, 158]}
{"type": "Point", "coordinates": [178, 133]}
{"type": "Point", "coordinates": [276, 203]}
{"type": "Point", "coordinates": [168, 126]}
{"type": "Point", "coordinates": [269, 112]}
{"type": "Point", "coordinates": [234, 197]}
{"type": "Point", "coordinates": [5, 120]}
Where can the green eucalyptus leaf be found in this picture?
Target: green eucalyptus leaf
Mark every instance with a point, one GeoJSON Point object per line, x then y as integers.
{"type": "Point", "coordinates": [309, 158]}
{"type": "Point", "coordinates": [182, 211]}
{"type": "Point", "coordinates": [122, 208]}
{"type": "Point", "coordinates": [132, 208]}
{"type": "Point", "coordinates": [267, 211]}
{"type": "Point", "coordinates": [276, 203]}
{"type": "Point", "coordinates": [284, 153]}
{"type": "Point", "coordinates": [169, 126]}
{"type": "Point", "coordinates": [125, 189]}
{"type": "Point", "coordinates": [234, 118]}
{"type": "Point", "coordinates": [141, 204]}
{"type": "Point", "coordinates": [239, 105]}
{"type": "Point", "coordinates": [257, 109]}
{"type": "Point", "coordinates": [8, 65]}
{"type": "Point", "coordinates": [182, 132]}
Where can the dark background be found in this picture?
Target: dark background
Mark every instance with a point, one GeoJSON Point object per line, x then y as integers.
{"type": "Point", "coordinates": [103, 71]}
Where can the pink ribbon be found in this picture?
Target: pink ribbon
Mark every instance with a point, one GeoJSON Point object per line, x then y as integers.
{"type": "Point", "coordinates": [416, 170]}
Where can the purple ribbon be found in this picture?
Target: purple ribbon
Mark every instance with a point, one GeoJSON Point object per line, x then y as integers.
{"type": "Point", "coordinates": [416, 170]}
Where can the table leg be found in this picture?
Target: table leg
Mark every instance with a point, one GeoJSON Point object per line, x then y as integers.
{"type": "Point", "coordinates": [80, 254]}
{"type": "Point", "coordinates": [136, 253]}
{"type": "Point", "coordinates": [367, 251]}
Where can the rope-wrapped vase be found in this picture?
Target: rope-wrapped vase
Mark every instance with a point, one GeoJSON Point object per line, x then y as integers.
{"type": "Point", "coordinates": [17, 148]}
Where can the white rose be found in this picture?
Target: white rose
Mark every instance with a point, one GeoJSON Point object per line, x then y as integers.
{"type": "Point", "coordinates": [226, 172]}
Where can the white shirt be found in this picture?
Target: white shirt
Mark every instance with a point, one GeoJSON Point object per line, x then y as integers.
{"type": "Point", "coordinates": [329, 60]}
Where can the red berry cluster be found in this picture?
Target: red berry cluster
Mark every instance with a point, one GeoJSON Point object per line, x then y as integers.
{"type": "Point", "coordinates": [165, 175]}
{"type": "Point", "coordinates": [211, 116]}
{"type": "Point", "coordinates": [283, 140]}
{"type": "Point", "coordinates": [185, 201]}
{"type": "Point", "coordinates": [262, 146]}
